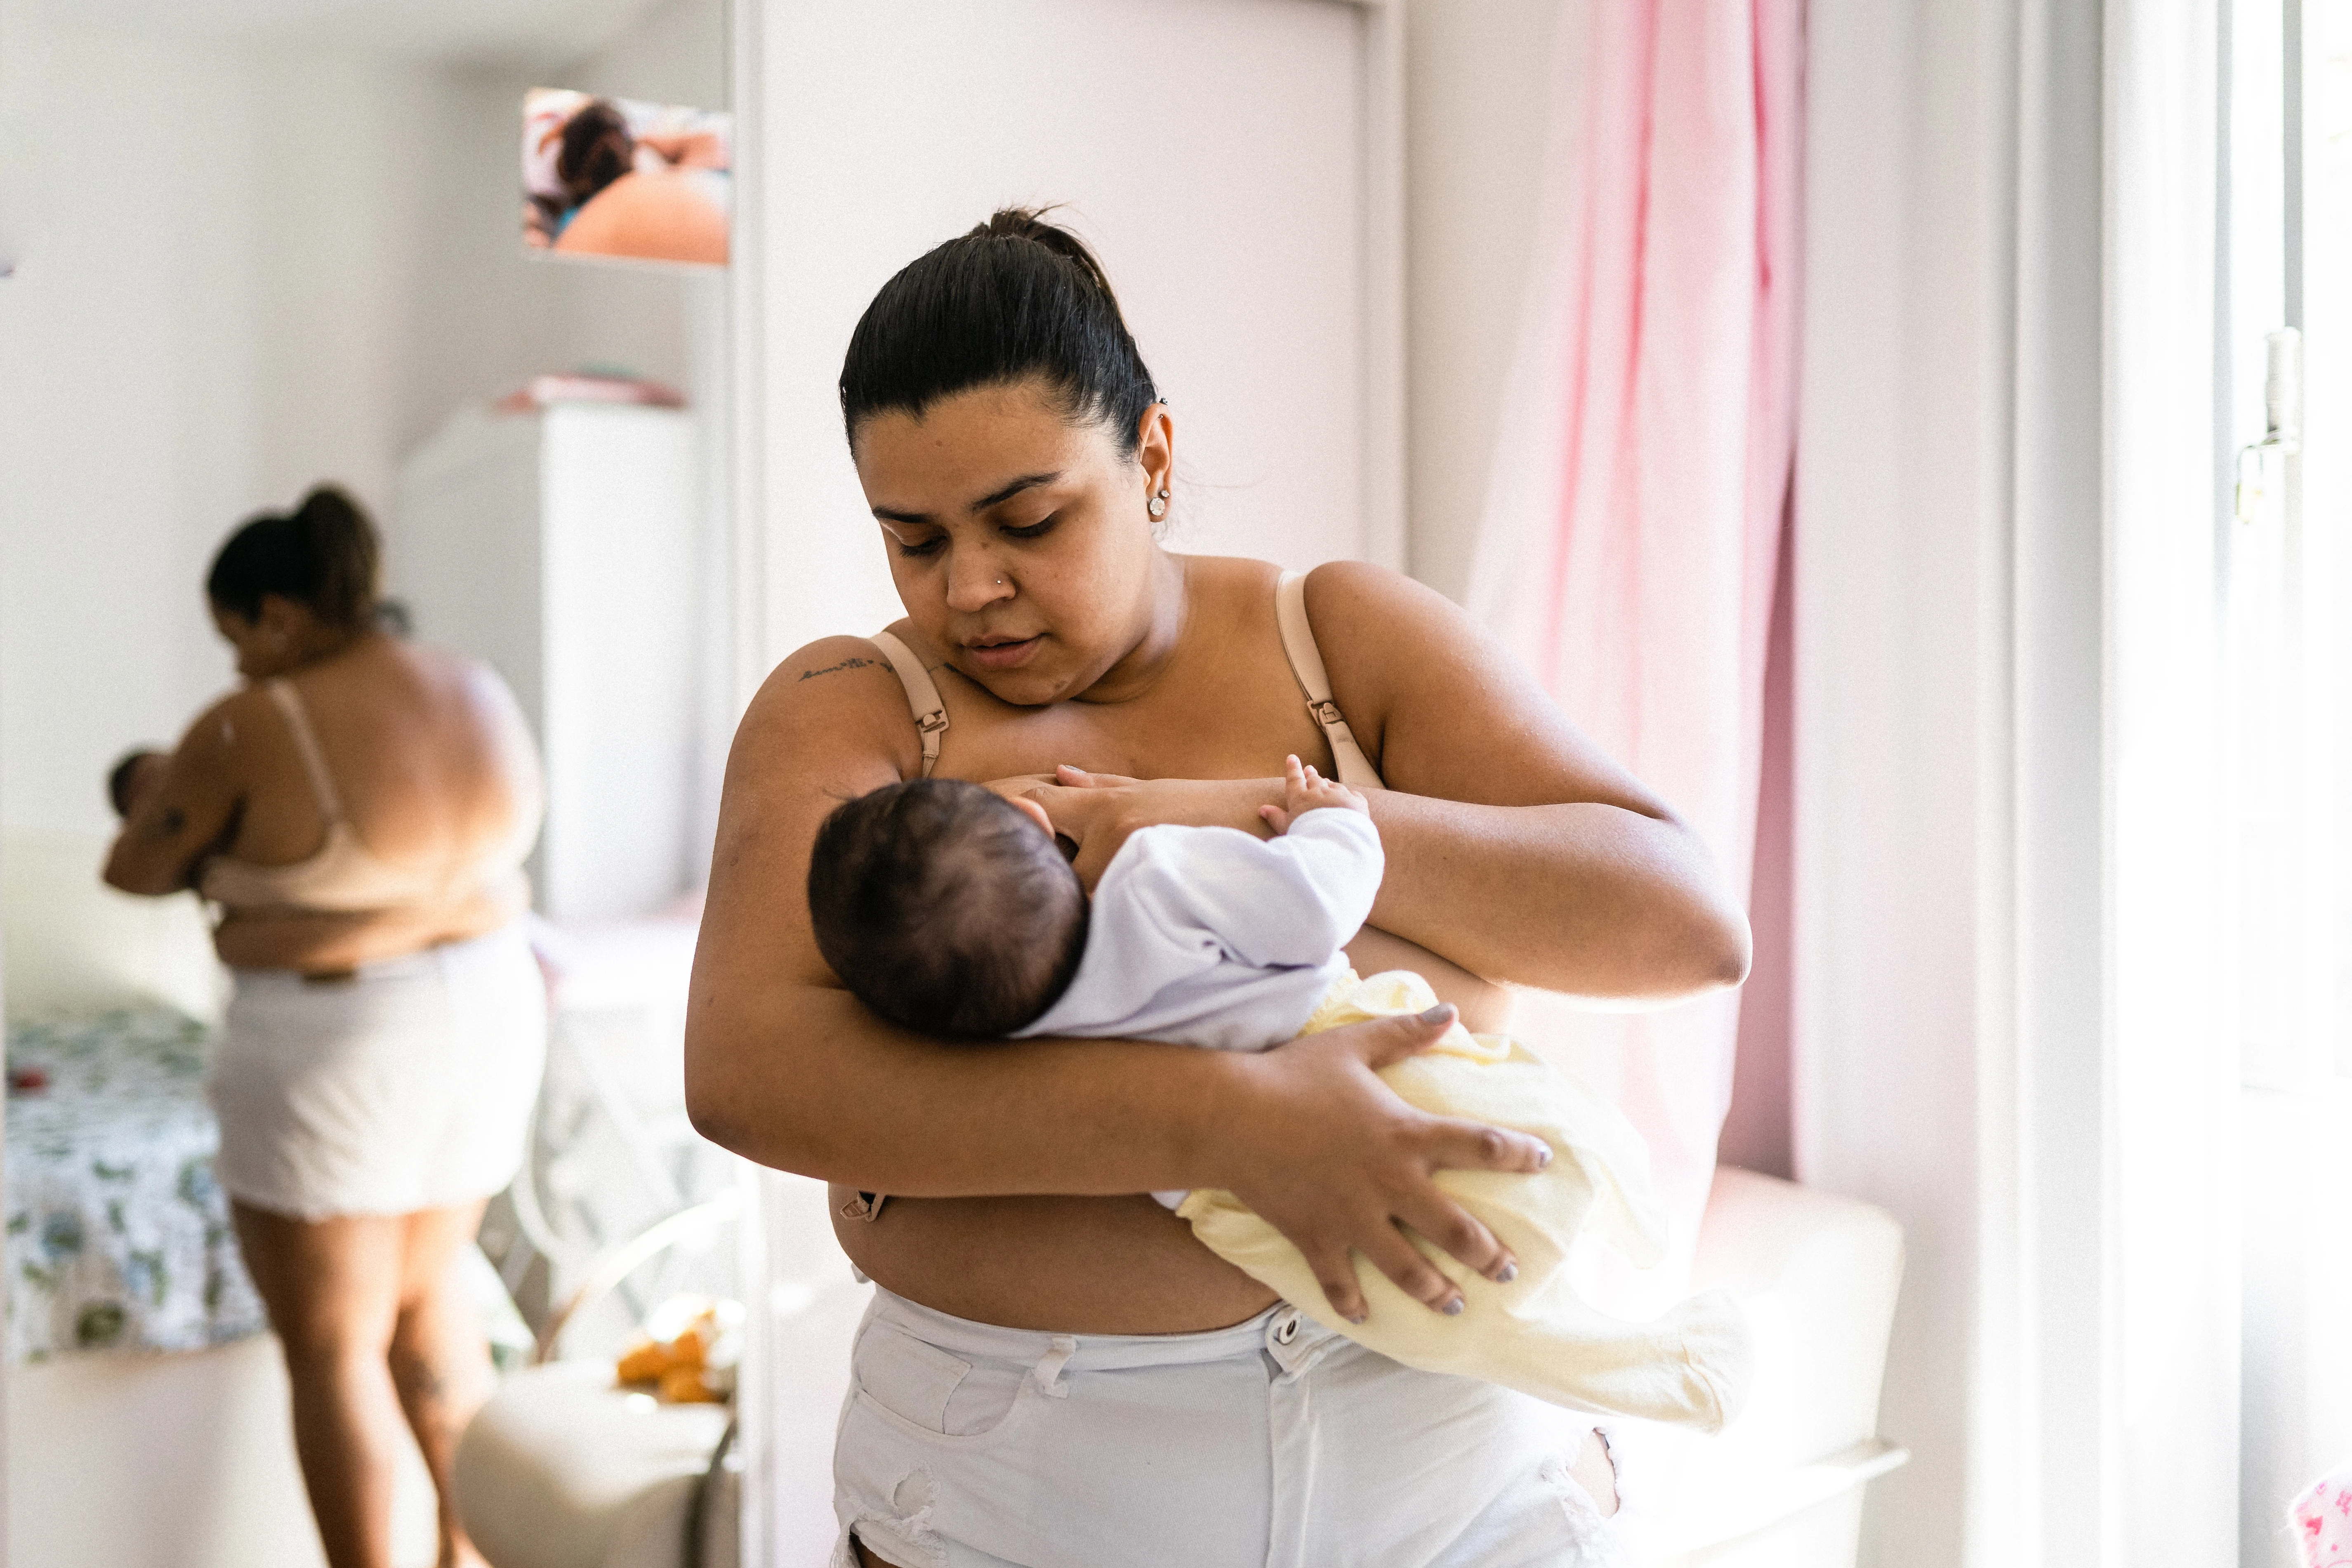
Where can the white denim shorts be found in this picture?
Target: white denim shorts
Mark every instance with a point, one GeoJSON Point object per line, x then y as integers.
{"type": "Point", "coordinates": [406, 1085]}
{"type": "Point", "coordinates": [1273, 1444]}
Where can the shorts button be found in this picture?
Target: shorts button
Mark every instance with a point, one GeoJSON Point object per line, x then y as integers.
{"type": "Point", "coordinates": [1286, 1330]}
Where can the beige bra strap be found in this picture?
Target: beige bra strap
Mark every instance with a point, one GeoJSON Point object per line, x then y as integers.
{"type": "Point", "coordinates": [931, 720]}
{"type": "Point", "coordinates": [922, 695]}
{"type": "Point", "coordinates": [1356, 769]}
{"type": "Point", "coordinates": [322, 785]}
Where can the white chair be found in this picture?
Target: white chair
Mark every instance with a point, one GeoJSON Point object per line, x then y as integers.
{"type": "Point", "coordinates": [562, 1469]}
{"type": "Point", "coordinates": [1782, 1485]}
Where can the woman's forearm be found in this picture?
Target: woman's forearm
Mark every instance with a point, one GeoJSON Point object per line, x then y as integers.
{"type": "Point", "coordinates": [815, 1084]}
{"type": "Point", "coordinates": [1587, 897]}
{"type": "Point", "coordinates": [1584, 898]}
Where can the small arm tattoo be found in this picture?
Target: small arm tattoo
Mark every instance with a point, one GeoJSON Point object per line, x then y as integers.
{"type": "Point", "coordinates": [838, 668]}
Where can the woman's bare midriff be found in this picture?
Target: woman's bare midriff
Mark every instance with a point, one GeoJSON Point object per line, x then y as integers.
{"type": "Point", "coordinates": [1097, 1266]}
{"type": "Point", "coordinates": [296, 939]}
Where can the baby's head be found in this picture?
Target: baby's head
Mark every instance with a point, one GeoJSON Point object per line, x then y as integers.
{"type": "Point", "coordinates": [947, 908]}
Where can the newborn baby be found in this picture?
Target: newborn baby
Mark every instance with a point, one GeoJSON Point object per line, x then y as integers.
{"type": "Point", "coordinates": [951, 909]}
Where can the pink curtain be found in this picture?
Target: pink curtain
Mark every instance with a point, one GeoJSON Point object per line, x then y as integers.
{"type": "Point", "coordinates": [1644, 598]}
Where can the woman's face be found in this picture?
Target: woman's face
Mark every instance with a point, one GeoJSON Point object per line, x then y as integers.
{"type": "Point", "coordinates": [1020, 544]}
{"type": "Point", "coordinates": [285, 636]}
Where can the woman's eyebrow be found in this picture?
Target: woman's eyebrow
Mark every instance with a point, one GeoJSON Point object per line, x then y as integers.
{"type": "Point", "coordinates": [1025, 482]}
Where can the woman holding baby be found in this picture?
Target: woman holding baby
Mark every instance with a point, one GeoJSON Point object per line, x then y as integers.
{"type": "Point", "coordinates": [1056, 1371]}
{"type": "Point", "coordinates": [358, 809]}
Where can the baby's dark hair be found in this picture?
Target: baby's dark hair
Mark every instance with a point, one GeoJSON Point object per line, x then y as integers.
{"type": "Point", "coordinates": [944, 908]}
{"type": "Point", "coordinates": [118, 778]}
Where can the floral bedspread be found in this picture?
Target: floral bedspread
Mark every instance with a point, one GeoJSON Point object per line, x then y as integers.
{"type": "Point", "coordinates": [118, 1236]}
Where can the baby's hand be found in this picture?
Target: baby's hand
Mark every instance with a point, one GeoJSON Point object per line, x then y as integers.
{"type": "Point", "coordinates": [1305, 790]}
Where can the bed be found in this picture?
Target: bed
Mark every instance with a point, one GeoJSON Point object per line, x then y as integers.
{"type": "Point", "coordinates": [118, 1236]}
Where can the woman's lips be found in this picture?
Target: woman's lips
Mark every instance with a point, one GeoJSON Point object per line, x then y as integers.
{"type": "Point", "coordinates": [1003, 655]}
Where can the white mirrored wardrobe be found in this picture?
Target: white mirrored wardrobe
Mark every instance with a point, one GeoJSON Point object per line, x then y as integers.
{"type": "Point", "coordinates": [262, 242]}
{"type": "Point", "coordinates": [250, 245]}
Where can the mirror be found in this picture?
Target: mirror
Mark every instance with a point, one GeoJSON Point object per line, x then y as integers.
{"type": "Point", "coordinates": [618, 178]}
{"type": "Point", "coordinates": [247, 246]}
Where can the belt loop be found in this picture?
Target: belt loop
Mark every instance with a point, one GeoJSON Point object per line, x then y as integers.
{"type": "Point", "coordinates": [1296, 1343]}
{"type": "Point", "coordinates": [1048, 1370]}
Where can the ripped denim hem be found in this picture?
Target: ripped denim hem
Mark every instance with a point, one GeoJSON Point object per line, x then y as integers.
{"type": "Point", "coordinates": [908, 1542]}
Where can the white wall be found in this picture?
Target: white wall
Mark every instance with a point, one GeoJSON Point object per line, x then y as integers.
{"type": "Point", "coordinates": [1479, 124]}
{"type": "Point", "coordinates": [1241, 278]}
{"type": "Point", "coordinates": [1898, 623]}
{"type": "Point", "coordinates": [166, 373]}
{"type": "Point", "coordinates": [1950, 828]}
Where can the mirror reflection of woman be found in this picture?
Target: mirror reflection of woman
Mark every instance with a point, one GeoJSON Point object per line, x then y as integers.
{"type": "Point", "coordinates": [1053, 1369]}
{"type": "Point", "coordinates": [360, 809]}
{"type": "Point", "coordinates": [660, 195]}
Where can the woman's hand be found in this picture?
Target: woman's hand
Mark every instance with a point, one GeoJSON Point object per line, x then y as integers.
{"type": "Point", "coordinates": [1325, 1153]}
{"type": "Point", "coordinates": [1097, 811]}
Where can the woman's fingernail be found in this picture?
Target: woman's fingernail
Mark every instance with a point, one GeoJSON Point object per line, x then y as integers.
{"type": "Point", "coordinates": [1453, 1309]}
{"type": "Point", "coordinates": [1510, 1273]}
{"type": "Point", "coordinates": [1437, 1015]}
{"type": "Point", "coordinates": [1355, 1317]}
{"type": "Point", "coordinates": [1543, 1155]}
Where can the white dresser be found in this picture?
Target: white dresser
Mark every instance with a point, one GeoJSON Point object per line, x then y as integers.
{"type": "Point", "coordinates": [565, 546]}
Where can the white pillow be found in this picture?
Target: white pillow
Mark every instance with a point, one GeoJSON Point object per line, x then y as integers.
{"type": "Point", "coordinates": [71, 944]}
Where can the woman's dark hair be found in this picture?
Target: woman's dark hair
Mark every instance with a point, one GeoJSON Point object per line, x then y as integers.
{"type": "Point", "coordinates": [597, 150]}
{"type": "Point", "coordinates": [324, 555]}
{"type": "Point", "coordinates": [1015, 298]}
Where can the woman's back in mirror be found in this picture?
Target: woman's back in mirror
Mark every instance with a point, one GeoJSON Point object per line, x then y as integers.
{"type": "Point", "coordinates": [425, 751]}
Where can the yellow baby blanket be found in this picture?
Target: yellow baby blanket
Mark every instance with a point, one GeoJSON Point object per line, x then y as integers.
{"type": "Point", "coordinates": [1535, 1334]}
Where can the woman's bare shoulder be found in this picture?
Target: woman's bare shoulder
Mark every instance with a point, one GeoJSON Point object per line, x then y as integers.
{"type": "Point", "coordinates": [396, 679]}
{"type": "Point", "coordinates": [834, 701]}
{"type": "Point", "coordinates": [1381, 634]}
{"type": "Point", "coordinates": [1357, 594]}
{"type": "Point", "coordinates": [1239, 575]}
{"type": "Point", "coordinates": [224, 734]}
{"type": "Point", "coordinates": [1444, 709]}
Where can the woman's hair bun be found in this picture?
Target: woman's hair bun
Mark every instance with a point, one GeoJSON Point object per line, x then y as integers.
{"type": "Point", "coordinates": [1016, 298]}
{"type": "Point", "coordinates": [324, 553]}
{"type": "Point", "coordinates": [1029, 224]}
{"type": "Point", "coordinates": [328, 513]}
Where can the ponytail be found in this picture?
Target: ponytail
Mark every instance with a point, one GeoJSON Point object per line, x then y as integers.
{"type": "Point", "coordinates": [324, 555]}
{"type": "Point", "coordinates": [1016, 298]}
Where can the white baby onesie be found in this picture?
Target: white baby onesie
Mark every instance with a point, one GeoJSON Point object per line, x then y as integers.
{"type": "Point", "coordinates": [1211, 936]}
